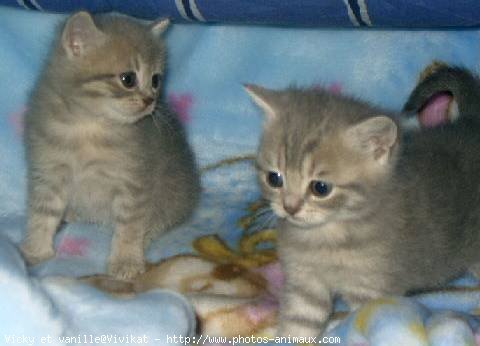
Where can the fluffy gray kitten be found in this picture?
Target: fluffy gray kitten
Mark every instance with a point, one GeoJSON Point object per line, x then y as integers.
{"type": "Point", "coordinates": [100, 144]}
{"type": "Point", "coordinates": [363, 212]}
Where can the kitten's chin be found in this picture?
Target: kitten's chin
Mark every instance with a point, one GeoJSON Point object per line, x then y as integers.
{"type": "Point", "coordinates": [303, 223]}
{"type": "Point", "coordinates": [296, 221]}
{"type": "Point", "coordinates": [142, 113]}
{"type": "Point", "coordinates": [300, 223]}
{"type": "Point", "coordinates": [146, 111]}
{"type": "Point", "coordinates": [129, 117]}
{"type": "Point", "coordinates": [133, 118]}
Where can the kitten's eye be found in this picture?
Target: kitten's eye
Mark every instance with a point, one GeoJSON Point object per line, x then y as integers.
{"type": "Point", "coordinates": [320, 188]}
{"type": "Point", "coordinates": [155, 80]}
{"type": "Point", "coordinates": [129, 79]}
{"type": "Point", "coordinates": [274, 179]}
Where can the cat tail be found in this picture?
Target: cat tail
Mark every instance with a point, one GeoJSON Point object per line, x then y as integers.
{"type": "Point", "coordinates": [443, 94]}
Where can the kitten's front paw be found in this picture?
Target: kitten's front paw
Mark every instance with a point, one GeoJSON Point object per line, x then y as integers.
{"type": "Point", "coordinates": [34, 253]}
{"type": "Point", "coordinates": [126, 269]}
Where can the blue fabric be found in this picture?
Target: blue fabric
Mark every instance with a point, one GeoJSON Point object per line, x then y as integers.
{"type": "Point", "coordinates": [207, 65]}
{"type": "Point", "coordinates": [344, 13]}
{"type": "Point", "coordinates": [32, 309]}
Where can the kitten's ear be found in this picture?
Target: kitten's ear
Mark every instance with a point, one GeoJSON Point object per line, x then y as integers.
{"type": "Point", "coordinates": [80, 34]}
{"type": "Point", "coordinates": [158, 27]}
{"type": "Point", "coordinates": [263, 98]}
{"type": "Point", "coordinates": [374, 137]}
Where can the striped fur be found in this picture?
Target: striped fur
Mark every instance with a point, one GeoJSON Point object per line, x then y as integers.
{"type": "Point", "coordinates": [403, 214]}
{"type": "Point", "coordinates": [98, 152]}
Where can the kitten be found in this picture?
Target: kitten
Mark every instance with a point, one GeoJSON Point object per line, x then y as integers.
{"type": "Point", "coordinates": [362, 212]}
{"type": "Point", "coordinates": [457, 83]}
{"type": "Point", "coordinates": [100, 145]}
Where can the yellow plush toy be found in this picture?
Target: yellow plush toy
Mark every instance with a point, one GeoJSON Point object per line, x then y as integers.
{"type": "Point", "coordinates": [233, 291]}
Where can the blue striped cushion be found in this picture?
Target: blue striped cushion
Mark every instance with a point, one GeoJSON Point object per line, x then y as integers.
{"type": "Point", "coordinates": [332, 13]}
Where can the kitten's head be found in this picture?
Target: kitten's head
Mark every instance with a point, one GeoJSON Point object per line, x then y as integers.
{"type": "Point", "coordinates": [321, 155]}
{"type": "Point", "coordinates": [112, 65]}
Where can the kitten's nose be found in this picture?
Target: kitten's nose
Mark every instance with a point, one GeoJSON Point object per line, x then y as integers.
{"type": "Point", "coordinates": [292, 206]}
{"type": "Point", "coordinates": [147, 101]}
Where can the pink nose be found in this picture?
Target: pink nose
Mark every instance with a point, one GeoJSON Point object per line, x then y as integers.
{"type": "Point", "coordinates": [147, 101]}
{"type": "Point", "coordinates": [292, 208]}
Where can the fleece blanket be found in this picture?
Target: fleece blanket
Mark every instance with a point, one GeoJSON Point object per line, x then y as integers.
{"type": "Point", "coordinates": [345, 13]}
{"type": "Point", "coordinates": [207, 65]}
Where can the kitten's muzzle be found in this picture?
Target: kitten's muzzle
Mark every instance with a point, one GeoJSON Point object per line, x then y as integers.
{"type": "Point", "coordinates": [147, 101]}
{"type": "Point", "coordinates": [292, 206]}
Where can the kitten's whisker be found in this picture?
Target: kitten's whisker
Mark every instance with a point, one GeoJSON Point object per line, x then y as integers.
{"type": "Point", "coordinates": [262, 211]}
{"type": "Point", "coordinates": [263, 224]}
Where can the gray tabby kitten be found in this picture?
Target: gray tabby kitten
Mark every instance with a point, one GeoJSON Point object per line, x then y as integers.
{"type": "Point", "coordinates": [363, 212]}
{"type": "Point", "coordinates": [100, 146]}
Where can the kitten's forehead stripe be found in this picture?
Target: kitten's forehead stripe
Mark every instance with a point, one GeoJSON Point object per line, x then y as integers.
{"type": "Point", "coordinates": [309, 165]}
{"type": "Point", "coordinates": [305, 133]}
{"type": "Point", "coordinates": [281, 156]}
{"type": "Point", "coordinates": [309, 147]}
{"type": "Point", "coordinates": [307, 156]}
{"type": "Point", "coordinates": [293, 145]}
{"type": "Point", "coordinates": [320, 173]}
{"type": "Point", "coordinates": [134, 63]}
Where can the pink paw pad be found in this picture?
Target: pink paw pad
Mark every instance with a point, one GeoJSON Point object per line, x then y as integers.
{"type": "Point", "coordinates": [72, 246]}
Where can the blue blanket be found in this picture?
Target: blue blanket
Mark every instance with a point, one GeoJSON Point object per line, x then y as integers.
{"type": "Point", "coordinates": [345, 13]}
{"type": "Point", "coordinates": [207, 65]}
